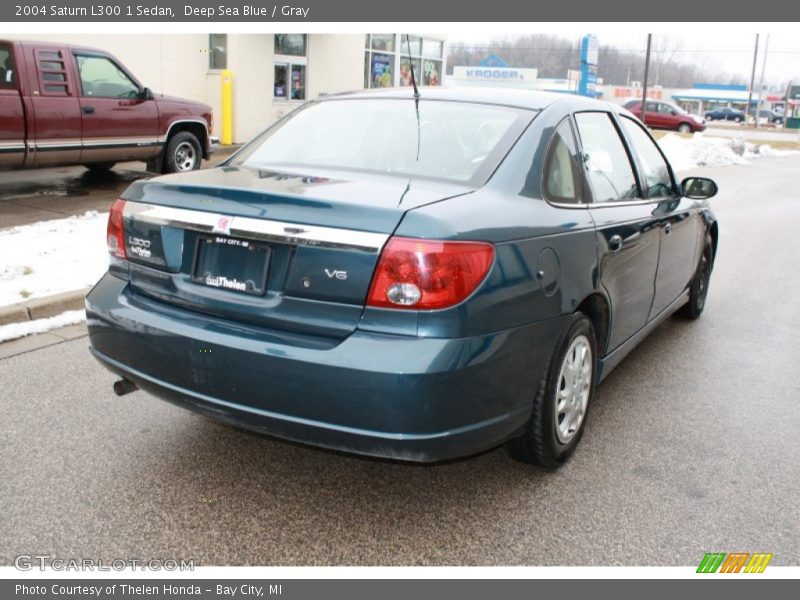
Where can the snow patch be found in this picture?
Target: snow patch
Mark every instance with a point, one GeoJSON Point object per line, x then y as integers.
{"type": "Point", "coordinates": [702, 151]}
{"type": "Point", "coordinates": [18, 330]}
{"type": "Point", "coordinates": [51, 257]}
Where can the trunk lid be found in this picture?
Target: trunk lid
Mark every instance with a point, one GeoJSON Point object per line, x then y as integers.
{"type": "Point", "coordinates": [288, 250]}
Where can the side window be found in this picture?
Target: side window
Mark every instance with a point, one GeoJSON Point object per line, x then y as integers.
{"type": "Point", "coordinates": [608, 166]}
{"type": "Point", "coordinates": [52, 72]}
{"type": "Point", "coordinates": [8, 76]}
{"type": "Point", "coordinates": [561, 170]}
{"type": "Point", "coordinates": [656, 170]}
{"type": "Point", "coordinates": [101, 78]}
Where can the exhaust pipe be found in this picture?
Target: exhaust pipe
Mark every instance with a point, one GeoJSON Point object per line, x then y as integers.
{"type": "Point", "coordinates": [124, 386]}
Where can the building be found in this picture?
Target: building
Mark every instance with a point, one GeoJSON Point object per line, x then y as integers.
{"type": "Point", "coordinates": [272, 73]}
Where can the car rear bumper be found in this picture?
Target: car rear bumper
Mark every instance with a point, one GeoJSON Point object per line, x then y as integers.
{"type": "Point", "coordinates": [392, 396]}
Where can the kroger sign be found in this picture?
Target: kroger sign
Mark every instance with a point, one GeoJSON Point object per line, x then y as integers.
{"type": "Point", "coordinates": [494, 74]}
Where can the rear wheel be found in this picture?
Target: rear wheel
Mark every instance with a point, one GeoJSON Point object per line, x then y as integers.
{"type": "Point", "coordinates": [562, 402]}
{"type": "Point", "coordinates": [699, 288]}
{"type": "Point", "coordinates": [685, 128]}
{"type": "Point", "coordinates": [183, 153]}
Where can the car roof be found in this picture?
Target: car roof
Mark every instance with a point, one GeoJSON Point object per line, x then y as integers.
{"type": "Point", "coordinates": [527, 99]}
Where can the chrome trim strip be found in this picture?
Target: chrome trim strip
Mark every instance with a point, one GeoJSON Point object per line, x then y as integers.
{"type": "Point", "coordinates": [279, 232]}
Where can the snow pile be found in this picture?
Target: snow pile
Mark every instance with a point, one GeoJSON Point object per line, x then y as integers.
{"type": "Point", "coordinates": [701, 151]}
{"type": "Point", "coordinates": [51, 257]}
{"type": "Point", "coordinates": [18, 330]}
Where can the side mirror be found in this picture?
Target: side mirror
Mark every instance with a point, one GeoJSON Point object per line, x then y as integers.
{"type": "Point", "coordinates": [698, 188]}
{"type": "Point", "coordinates": [145, 94]}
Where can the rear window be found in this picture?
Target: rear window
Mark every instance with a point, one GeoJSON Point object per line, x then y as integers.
{"type": "Point", "coordinates": [8, 75]}
{"type": "Point", "coordinates": [449, 140]}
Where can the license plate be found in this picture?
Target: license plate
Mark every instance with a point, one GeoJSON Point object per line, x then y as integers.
{"type": "Point", "coordinates": [231, 264]}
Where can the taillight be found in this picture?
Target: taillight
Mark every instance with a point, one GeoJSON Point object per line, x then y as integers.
{"type": "Point", "coordinates": [115, 233]}
{"type": "Point", "coordinates": [426, 274]}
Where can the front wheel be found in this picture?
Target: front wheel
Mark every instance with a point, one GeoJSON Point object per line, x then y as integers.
{"type": "Point", "coordinates": [183, 153]}
{"type": "Point", "coordinates": [562, 402]}
{"type": "Point", "coordinates": [684, 128]}
{"type": "Point", "coordinates": [699, 287]}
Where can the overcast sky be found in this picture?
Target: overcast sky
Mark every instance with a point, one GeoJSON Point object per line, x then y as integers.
{"type": "Point", "coordinates": [731, 51]}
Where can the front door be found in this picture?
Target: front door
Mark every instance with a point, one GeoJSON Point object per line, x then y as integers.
{"type": "Point", "coordinates": [627, 231]}
{"type": "Point", "coordinates": [118, 124]}
{"type": "Point", "coordinates": [677, 219]}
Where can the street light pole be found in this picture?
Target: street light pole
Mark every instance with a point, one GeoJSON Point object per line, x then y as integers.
{"type": "Point", "coordinates": [644, 80]}
{"type": "Point", "coordinates": [760, 101]}
{"type": "Point", "coordinates": [752, 83]}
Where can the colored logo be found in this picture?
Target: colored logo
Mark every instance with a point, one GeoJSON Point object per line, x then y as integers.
{"type": "Point", "coordinates": [223, 225]}
{"type": "Point", "coordinates": [735, 562]}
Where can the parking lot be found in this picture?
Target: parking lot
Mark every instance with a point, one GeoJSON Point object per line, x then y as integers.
{"type": "Point", "coordinates": [692, 445]}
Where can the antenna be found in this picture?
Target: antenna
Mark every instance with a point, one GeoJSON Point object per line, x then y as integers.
{"type": "Point", "coordinates": [411, 64]}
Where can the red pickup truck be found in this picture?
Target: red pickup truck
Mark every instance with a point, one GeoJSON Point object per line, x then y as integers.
{"type": "Point", "coordinates": [67, 105]}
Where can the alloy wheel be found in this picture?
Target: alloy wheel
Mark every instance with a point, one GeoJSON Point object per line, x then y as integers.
{"type": "Point", "coordinates": [574, 385]}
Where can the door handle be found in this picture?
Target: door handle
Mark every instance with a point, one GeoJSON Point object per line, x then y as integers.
{"type": "Point", "coordinates": [88, 109]}
{"type": "Point", "coordinates": [615, 243]}
{"type": "Point", "coordinates": [668, 228]}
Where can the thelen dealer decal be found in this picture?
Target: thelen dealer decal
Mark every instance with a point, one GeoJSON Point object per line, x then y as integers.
{"type": "Point", "coordinates": [735, 562]}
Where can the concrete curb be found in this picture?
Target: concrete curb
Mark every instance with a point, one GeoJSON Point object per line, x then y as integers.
{"type": "Point", "coordinates": [41, 308]}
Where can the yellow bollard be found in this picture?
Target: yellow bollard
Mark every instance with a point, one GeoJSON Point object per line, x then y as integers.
{"type": "Point", "coordinates": [226, 126]}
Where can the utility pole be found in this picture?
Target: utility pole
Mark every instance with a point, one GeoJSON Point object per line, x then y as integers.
{"type": "Point", "coordinates": [644, 80]}
{"type": "Point", "coordinates": [752, 83]}
{"type": "Point", "coordinates": [760, 101]}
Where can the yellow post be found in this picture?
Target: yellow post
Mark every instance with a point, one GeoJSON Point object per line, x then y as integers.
{"type": "Point", "coordinates": [226, 133]}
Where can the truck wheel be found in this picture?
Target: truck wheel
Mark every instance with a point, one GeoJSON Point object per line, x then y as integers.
{"type": "Point", "coordinates": [102, 167]}
{"type": "Point", "coordinates": [183, 153]}
{"type": "Point", "coordinates": [562, 402]}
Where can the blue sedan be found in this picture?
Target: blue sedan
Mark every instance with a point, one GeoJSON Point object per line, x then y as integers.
{"type": "Point", "coordinates": [416, 277]}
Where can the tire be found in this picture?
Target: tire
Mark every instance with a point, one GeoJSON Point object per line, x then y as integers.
{"type": "Point", "coordinates": [684, 128]}
{"type": "Point", "coordinates": [698, 291]}
{"type": "Point", "coordinates": [548, 441]}
{"type": "Point", "coordinates": [103, 167]}
{"type": "Point", "coordinates": [737, 119]}
{"type": "Point", "coordinates": [183, 153]}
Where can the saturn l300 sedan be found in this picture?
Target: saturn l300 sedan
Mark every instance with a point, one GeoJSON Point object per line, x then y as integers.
{"type": "Point", "coordinates": [410, 277]}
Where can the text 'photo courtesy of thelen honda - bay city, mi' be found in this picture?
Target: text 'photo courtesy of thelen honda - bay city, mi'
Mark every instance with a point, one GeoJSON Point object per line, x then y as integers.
{"type": "Point", "coordinates": [411, 277]}
{"type": "Point", "coordinates": [71, 105]}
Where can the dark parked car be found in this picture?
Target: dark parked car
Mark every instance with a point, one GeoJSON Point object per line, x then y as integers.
{"type": "Point", "coordinates": [665, 115]}
{"type": "Point", "coordinates": [414, 279]}
{"type": "Point", "coordinates": [770, 116]}
{"type": "Point", "coordinates": [725, 114]}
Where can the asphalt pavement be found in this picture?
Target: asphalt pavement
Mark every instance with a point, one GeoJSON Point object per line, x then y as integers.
{"type": "Point", "coordinates": [692, 446]}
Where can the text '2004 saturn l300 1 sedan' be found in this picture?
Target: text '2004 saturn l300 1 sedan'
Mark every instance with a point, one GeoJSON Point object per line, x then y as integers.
{"type": "Point", "coordinates": [418, 277]}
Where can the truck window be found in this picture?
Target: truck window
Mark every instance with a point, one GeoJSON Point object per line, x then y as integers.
{"type": "Point", "coordinates": [102, 78]}
{"type": "Point", "coordinates": [52, 73]}
{"type": "Point", "coordinates": [8, 75]}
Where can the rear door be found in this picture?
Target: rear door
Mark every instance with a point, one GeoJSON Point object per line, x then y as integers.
{"type": "Point", "coordinates": [56, 135]}
{"type": "Point", "coordinates": [12, 118]}
{"type": "Point", "coordinates": [677, 218]}
{"type": "Point", "coordinates": [117, 123]}
{"type": "Point", "coordinates": [628, 236]}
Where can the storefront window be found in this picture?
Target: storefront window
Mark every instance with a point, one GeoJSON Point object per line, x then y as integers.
{"type": "Point", "coordinates": [290, 81]}
{"type": "Point", "coordinates": [387, 62]}
{"type": "Point", "coordinates": [290, 44]}
{"type": "Point", "coordinates": [383, 42]}
{"type": "Point", "coordinates": [431, 72]}
{"type": "Point", "coordinates": [405, 71]}
{"type": "Point", "coordinates": [432, 48]}
{"type": "Point", "coordinates": [381, 72]}
{"type": "Point", "coordinates": [218, 51]}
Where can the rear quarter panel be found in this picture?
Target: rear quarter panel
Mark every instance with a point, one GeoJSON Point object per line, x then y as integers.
{"type": "Point", "coordinates": [545, 259]}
